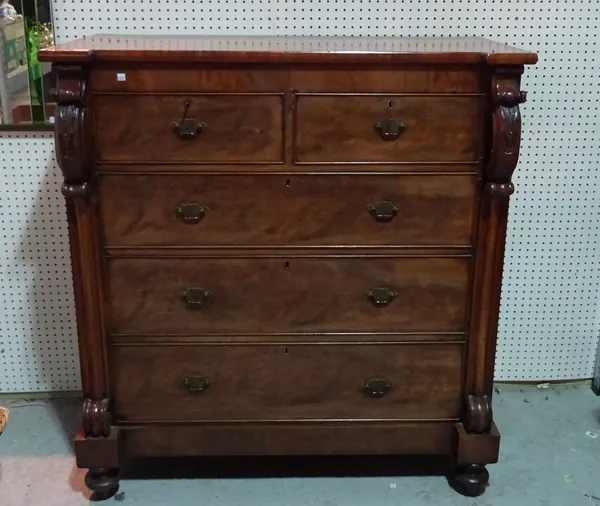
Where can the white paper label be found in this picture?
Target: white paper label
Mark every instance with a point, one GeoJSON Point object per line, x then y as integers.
{"type": "Point", "coordinates": [121, 77]}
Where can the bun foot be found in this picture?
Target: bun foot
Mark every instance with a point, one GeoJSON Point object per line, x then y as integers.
{"type": "Point", "coordinates": [104, 483]}
{"type": "Point", "coordinates": [470, 480]}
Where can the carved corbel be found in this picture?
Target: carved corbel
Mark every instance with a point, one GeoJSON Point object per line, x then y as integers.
{"type": "Point", "coordinates": [506, 131]}
{"type": "Point", "coordinates": [479, 416]}
{"type": "Point", "coordinates": [70, 128]}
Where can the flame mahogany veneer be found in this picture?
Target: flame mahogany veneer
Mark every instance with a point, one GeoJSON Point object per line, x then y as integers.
{"type": "Point", "coordinates": [287, 245]}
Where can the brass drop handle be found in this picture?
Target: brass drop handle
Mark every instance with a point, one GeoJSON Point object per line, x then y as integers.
{"type": "Point", "coordinates": [376, 387]}
{"type": "Point", "coordinates": [187, 128]}
{"type": "Point", "coordinates": [196, 384]}
{"type": "Point", "coordinates": [381, 296]}
{"type": "Point", "coordinates": [195, 298]}
{"type": "Point", "coordinates": [383, 211]}
{"type": "Point", "coordinates": [389, 129]}
{"type": "Point", "coordinates": [190, 213]}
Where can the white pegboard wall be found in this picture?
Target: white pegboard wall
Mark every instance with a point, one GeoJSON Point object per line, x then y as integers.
{"type": "Point", "coordinates": [550, 305]}
{"type": "Point", "coordinates": [38, 349]}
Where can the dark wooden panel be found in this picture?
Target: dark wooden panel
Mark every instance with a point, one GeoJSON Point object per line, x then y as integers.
{"type": "Point", "coordinates": [98, 451]}
{"type": "Point", "coordinates": [215, 78]}
{"type": "Point", "coordinates": [477, 448]}
{"type": "Point", "coordinates": [237, 128]}
{"type": "Point", "coordinates": [340, 128]}
{"type": "Point", "coordinates": [286, 382]}
{"type": "Point", "coordinates": [282, 210]}
{"type": "Point", "coordinates": [296, 295]}
{"type": "Point", "coordinates": [305, 439]}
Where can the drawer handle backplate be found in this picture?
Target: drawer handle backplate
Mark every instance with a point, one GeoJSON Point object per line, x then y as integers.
{"type": "Point", "coordinates": [196, 384]}
{"type": "Point", "coordinates": [377, 387]}
{"type": "Point", "coordinates": [190, 213]}
{"type": "Point", "coordinates": [381, 296]}
{"type": "Point", "coordinates": [195, 298]}
{"type": "Point", "coordinates": [187, 128]}
{"type": "Point", "coordinates": [389, 129]}
{"type": "Point", "coordinates": [383, 211]}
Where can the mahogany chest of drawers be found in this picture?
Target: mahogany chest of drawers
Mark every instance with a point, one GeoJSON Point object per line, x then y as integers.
{"type": "Point", "coordinates": [287, 245]}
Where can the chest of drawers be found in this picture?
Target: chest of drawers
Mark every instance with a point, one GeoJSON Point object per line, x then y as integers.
{"type": "Point", "coordinates": [287, 246]}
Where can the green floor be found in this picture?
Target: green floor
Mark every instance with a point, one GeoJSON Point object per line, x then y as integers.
{"type": "Point", "coordinates": [550, 455]}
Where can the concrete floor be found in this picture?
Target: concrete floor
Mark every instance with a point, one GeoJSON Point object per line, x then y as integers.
{"type": "Point", "coordinates": [550, 456]}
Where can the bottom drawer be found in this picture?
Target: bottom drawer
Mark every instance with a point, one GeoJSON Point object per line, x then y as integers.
{"type": "Point", "coordinates": [238, 382]}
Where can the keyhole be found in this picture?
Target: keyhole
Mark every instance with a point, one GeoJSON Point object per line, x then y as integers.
{"type": "Point", "coordinates": [287, 183]}
{"type": "Point", "coordinates": [286, 351]}
{"type": "Point", "coordinates": [287, 265]}
{"type": "Point", "coordinates": [390, 103]}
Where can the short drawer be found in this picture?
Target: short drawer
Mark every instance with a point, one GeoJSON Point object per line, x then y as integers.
{"type": "Point", "coordinates": [286, 382]}
{"type": "Point", "coordinates": [189, 129]}
{"type": "Point", "coordinates": [203, 296]}
{"type": "Point", "coordinates": [280, 210]}
{"type": "Point", "coordinates": [389, 129]}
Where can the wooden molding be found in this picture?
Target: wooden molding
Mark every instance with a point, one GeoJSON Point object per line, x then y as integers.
{"type": "Point", "coordinates": [96, 418]}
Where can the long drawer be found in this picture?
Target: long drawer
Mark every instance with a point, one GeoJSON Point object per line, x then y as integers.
{"type": "Point", "coordinates": [284, 210]}
{"type": "Point", "coordinates": [378, 128]}
{"type": "Point", "coordinates": [189, 128]}
{"type": "Point", "coordinates": [286, 382]}
{"type": "Point", "coordinates": [344, 294]}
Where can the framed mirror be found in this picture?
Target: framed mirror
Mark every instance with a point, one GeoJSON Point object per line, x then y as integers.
{"type": "Point", "coordinates": [25, 28]}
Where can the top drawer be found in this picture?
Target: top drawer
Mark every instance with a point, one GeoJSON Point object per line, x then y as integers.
{"type": "Point", "coordinates": [189, 129]}
{"type": "Point", "coordinates": [388, 129]}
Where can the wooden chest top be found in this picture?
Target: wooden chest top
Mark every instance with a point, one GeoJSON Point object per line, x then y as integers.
{"type": "Point", "coordinates": [278, 49]}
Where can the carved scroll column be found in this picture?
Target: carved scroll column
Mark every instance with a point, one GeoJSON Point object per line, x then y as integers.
{"type": "Point", "coordinates": [73, 149]}
{"type": "Point", "coordinates": [504, 155]}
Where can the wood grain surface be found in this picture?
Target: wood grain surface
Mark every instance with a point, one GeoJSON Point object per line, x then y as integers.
{"type": "Point", "coordinates": [279, 382]}
{"type": "Point", "coordinates": [237, 128]}
{"type": "Point", "coordinates": [277, 295]}
{"type": "Point", "coordinates": [224, 78]}
{"type": "Point", "coordinates": [340, 128]}
{"type": "Point", "coordinates": [284, 210]}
